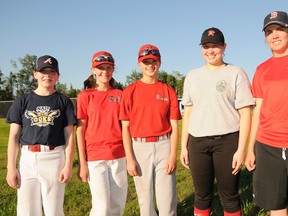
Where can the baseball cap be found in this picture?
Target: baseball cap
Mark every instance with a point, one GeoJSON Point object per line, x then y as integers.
{"type": "Point", "coordinates": [149, 51]}
{"type": "Point", "coordinates": [212, 35]}
{"type": "Point", "coordinates": [102, 57]}
{"type": "Point", "coordinates": [46, 61]}
{"type": "Point", "coordinates": [276, 17]}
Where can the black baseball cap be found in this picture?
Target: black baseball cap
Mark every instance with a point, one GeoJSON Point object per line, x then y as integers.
{"type": "Point", "coordinates": [212, 35]}
{"type": "Point", "coordinates": [276, 17]}
{"type": "Point", "coordinates": [46, 61]}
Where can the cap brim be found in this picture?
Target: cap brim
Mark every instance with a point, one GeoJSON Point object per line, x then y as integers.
{"type": "Point", "coordinates": [95, 64]}
{"type": "Point", "coordinates": [275, 22]}
{"type": "Point", "coordinates": [157, 58]}
{"type": "Point", "coordinates": [39, 69]}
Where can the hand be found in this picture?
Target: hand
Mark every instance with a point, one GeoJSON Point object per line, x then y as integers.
{"type": "Point", "coordinates": [133, 168]}
{"type": "Point", "coordinates": [83, 173]}
{"type": "Point", "coordinates": [171, 165]}
{"type": "Point", "coordinates": [237, 163]}
{"type": "Point", "coordinates": [184, 158]}
{"type": "Point", "coordinates": [250, 161]}
{"type": "Point", "coordinates": [13, 178]}
{"type": "Point", "coordinates": [65, 175]}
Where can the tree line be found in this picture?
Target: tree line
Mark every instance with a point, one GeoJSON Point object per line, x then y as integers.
{"type": "Point", "coordinates": [20, 80]}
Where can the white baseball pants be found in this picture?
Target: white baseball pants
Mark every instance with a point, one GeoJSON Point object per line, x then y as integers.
{"type": "Point", "coordinates": [108, 184]}
{"type": "Point", "coordinates": [152, 158]}
{"type": "Point", "coordinates": [39, 185]}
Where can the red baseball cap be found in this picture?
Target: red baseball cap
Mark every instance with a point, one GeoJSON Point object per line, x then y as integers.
{"type": "Point", "coordinates": [149, 51]}
{"type": "Point", "coordinates": [102, 57]}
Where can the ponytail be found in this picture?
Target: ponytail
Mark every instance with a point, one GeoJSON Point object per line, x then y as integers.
{"type": "Point", "coordinates": [89, 82]}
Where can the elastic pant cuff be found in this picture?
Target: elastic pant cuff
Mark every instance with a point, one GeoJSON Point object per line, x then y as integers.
{"type": "Point", "coordinates": [198, 212]}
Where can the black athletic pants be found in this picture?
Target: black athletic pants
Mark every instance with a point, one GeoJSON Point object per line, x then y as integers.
{"type": "Point", "coordinates": [211, 157]}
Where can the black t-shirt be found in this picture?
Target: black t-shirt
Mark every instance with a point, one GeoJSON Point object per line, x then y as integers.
{"type": "Point", "coordinates": [42, 118]}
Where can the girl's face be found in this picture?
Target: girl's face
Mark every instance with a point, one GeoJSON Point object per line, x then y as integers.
{"type": "Point", "coordinates": [149, 67]}
{"type": "Point", "coordinates": [103, 73]}
{"type": "Point", "coordinates": [277, 39]}
{"type": "Point", "coordinates": [212, 53]}
{"type": "Point", "coordinates": [46, 78]}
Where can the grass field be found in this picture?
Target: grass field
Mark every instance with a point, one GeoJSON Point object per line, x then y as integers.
{"type": "Point", "coordinates": [78, 198]}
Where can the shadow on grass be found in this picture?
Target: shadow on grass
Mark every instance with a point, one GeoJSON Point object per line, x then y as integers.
{"type": "Point", "coordinates": [185, 208]}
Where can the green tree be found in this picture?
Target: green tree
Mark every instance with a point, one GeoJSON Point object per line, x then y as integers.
{"type": "Point", "coordinates": [133, 77]}
{"type": "Point", "coordinates": [6, 86]}
{"type": "Point", "coordinates": [24, 81]}
{"type": "Point", "coordinates": [179, 83]}
{"type": "Point", "coordinates": [61, 88]}
{"type": "Point", "coordinates": [72, 93]}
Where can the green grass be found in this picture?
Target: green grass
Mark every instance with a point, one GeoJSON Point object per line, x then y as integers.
{"type": "Point", "coordinates": [78, 198]}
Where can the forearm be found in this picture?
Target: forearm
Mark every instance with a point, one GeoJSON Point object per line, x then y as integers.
{"type": "Point", "coordinates": [69, 150]}
{"type": "Point", "coordinates": [254, 125]}
{"type": "Point", "coordinates": [127, 143]}
{"type": "Point", "coordinates": [245, 125]}
{"type": "Point", "coordinates": [185, 123]}
{"type": "Point", "coordinates": [81, 146]}
{"type": "Point", "coordinates": [174, 138]}
{"type": "Point", "coordinates": [13, 146]}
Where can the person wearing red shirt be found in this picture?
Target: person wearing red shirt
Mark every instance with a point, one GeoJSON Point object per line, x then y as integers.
{"type": "Point", "coordinates": [99, 140]}
{"type": "Point", "coordinates": [269, 131]}
{"type": "Point", "coordinates": [149, 113]}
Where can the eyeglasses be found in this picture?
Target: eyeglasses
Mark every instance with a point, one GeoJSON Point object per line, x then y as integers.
{"type": "Point", "coordinates": [149, 51]}
{"type": "Point", "coordinates": [104, 58]}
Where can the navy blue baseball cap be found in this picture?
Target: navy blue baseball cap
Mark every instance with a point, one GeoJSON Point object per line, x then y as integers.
{"type": "Point", "coordinates": [276, 17]}
{"type": "Point", "coordinates": [47, 61]}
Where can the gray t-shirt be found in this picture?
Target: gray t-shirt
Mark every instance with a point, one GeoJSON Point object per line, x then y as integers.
{"type": "Point", "coordinates": [215, 97]}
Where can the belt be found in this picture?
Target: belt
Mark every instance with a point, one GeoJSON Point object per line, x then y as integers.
{"type": "Point", "coordinates": [219, 136]}
{"type": "Point", "coordinates": [38, 148]}
{"type": "Point", "coordinates": [152, 138]}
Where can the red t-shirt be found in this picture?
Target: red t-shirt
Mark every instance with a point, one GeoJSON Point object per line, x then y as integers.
{"type": "Point", "coordinates": [149, 108]}
{"type": "Point", "coordinates": [103, 137]}
{"type": "Point", "coordinates": [270, 83]}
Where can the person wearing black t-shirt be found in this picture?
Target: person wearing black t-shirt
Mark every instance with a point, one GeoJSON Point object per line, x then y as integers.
{"type": "Point", "coordinates": [42, 126]}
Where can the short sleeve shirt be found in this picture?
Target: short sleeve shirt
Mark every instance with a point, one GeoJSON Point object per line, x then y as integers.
{"type": "Point", "coordinates": [270, 83]}
{"type": "Point", "coordinates": [149, 108]}
{"type": "Point", "coordinates": [42, 118]}
{"type": "Point", "coordinates": [216, 96]}
{"type": "Point", "coordinates": [103, 137]}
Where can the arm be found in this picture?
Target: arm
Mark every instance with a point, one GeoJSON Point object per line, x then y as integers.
{"type": "Point", "coordinates": [245, 124]}
{"type": "Point", "coordinates": [132, 166]}
{"type": "Point", "coordinates": [184, 140]}
{"type": "Point", "coordinates": [66, 173]}
{"type": "Point", "coordinates": [83, 172]}
{"type": "Point", "coordinates": [13, 177]}
{"type": "Point", "coordinates": [171, 164]}
{"type": "Point", "coordinates": [250, 157]}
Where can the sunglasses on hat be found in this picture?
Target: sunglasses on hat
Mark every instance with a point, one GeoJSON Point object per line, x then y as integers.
{"type": "Point", "coordinates": [149, 51]}
{"type": "Point", "coordinates": [103, 58]}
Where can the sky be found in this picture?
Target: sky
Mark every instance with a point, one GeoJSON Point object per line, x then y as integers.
{"type": "Point", "coordinates": [72, 31]}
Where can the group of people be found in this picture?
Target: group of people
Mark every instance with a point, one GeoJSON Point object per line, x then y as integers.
{"type": "Point", "coordinates": [136, 131]}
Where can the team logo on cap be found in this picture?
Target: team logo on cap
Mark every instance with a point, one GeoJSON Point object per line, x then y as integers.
{"type": "Point", "coordinates": [273, 15]}
{"type": "Point", "coordinates": [49, 60]}
{"type": "Point", "coordinates": [211, 33]}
